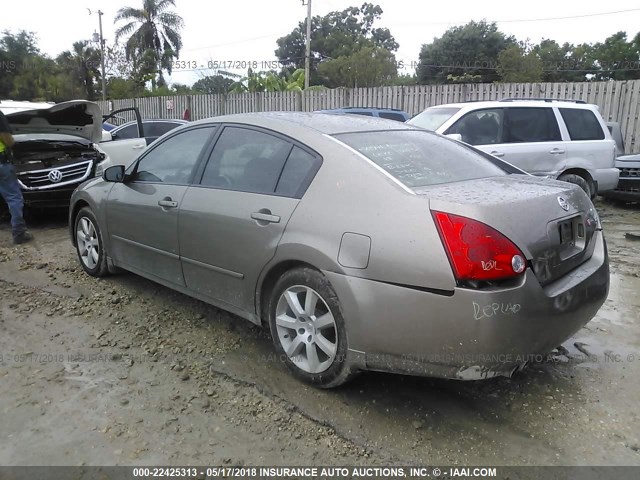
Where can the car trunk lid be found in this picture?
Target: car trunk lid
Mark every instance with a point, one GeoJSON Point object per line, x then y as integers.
{"type": "Point", "coordinates": [551, 222]}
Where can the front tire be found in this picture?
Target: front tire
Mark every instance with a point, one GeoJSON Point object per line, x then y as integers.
{"type": "Point", "coordinates": [308, 328]}
{"type": "Point", "coordinates": [89, 244]}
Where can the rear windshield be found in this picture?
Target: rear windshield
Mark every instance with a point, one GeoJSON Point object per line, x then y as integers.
{"type": "Point", "coordinates": [433, 118]}
{"type": "Point", "coordinates": [418, 158]}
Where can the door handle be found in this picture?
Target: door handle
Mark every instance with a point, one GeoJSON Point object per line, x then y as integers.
{"type": "Point", "coordinates": [167, 203]}
{"type": "Point", "coordinates": [556, 151]}
{"type": "Point", "coordinates": [265, 217]}
{"type": "Point", "coordinates": [139, 147]}
{"type": "Point", "coordinates": [497, 154]}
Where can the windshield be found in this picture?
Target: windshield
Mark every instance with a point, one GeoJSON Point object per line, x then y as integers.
{"type": "Point", "coordinates": [432, 118]}
{"type": "Point", "coordinates": [419, 158]}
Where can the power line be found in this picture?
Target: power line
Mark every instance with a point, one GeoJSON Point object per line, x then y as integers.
{"type": "Point", "coordinates": [569, 17]}
{"type": "Point", "coordinates": [525, 20]}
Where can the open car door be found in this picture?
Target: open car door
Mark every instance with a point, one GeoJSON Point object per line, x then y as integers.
{"type": "Point", "coordinates": [123, 151]}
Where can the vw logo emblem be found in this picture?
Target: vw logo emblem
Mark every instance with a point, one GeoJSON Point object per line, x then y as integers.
{"type": "Point", "coordinates": [561, 200]}
{"type": "Point", "coordinates": [55, 176]}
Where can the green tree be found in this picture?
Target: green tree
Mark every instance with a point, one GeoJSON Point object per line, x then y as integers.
{"type": "Point", "coordinates": [462, 53]}
{"type": "Point", "coordinates": [337, 34]}
{"type": "Point", "coordinates": [617, 58]}
{"type": "Point", "coordinates": [120, 87]}
{"type": "Point", "coordinates": [554, 59]}
{"type": "Point", "coordinates": [405, 80]}
{"type": "Point", "coordinates": [22, 67]}
{"type": "Point", "coordinates": [213, 84]}
{"type": "Point", "coordinates": [252, 83]}
{"type": "Point", "coordinates": [153, 35]}
{"type": "Point", "coordinates": [82, 67]}
{"type": "Point", "coordinates": [367, 67]}
{"type": "Point", "coordinates": [181, 89]}
{"type": "Point", "coordinates": [516, 65]}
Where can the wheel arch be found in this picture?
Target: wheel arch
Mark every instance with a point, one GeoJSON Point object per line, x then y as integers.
{"type": "Point", "coordinates": [582, 172]}
{"type": "Point", "coordinates": [73, 214]}
{"type": "Point", "coordinates": [268, 281]}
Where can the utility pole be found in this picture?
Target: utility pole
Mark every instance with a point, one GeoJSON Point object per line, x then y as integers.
{"type": "Point", "coordinates": [104, 84]}
{"type": "Point", "coordinates": [307, 57]}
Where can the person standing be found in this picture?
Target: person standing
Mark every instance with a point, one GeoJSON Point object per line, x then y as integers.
{"type": "Point", "coordinates": [9, 186]}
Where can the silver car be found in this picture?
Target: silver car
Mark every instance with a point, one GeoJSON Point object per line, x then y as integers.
{"type": "Point", "coordinates": [363, 244]}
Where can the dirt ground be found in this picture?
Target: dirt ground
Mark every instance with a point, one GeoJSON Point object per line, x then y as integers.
{"type": "Point", "coordinates": [121, 371]}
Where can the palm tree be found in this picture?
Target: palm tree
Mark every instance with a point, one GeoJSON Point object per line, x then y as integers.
{"type": "Point", "coordinates": [152, 30]}
{"type": "Point", "coordinates": [81, 65]}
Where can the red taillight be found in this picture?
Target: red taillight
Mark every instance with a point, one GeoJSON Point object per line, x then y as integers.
{"type": "Point", "coordinates": [477, 251]}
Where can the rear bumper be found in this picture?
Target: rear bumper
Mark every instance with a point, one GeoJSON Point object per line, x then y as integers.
{"type": "Point", "coordinates": [628, 190]}
{"type": "Point", "coordinates": [606, 178]}
{"type": "Point", "coordinates": [471, 334]}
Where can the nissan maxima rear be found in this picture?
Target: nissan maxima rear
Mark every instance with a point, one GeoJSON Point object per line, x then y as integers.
{"type": "Point", "coordinates": [363, 244]}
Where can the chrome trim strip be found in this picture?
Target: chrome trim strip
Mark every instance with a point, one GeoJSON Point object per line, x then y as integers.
{"type": "Point", "coordinates": [224, 271]}
{"type": "Point", "coordinates": [59, 184]}
{"type": "Point", "coordinates": [147, 247]}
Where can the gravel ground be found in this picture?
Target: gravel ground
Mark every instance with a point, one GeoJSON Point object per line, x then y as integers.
{"type": "Point", "coordinates": [121, 371]}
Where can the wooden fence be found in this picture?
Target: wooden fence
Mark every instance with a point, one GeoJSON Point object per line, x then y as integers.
{"type": "Point", "coordinates": [618, 101]}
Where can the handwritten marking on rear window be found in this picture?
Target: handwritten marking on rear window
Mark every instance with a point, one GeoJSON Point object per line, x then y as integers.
{"type": "Point", "coordinates": [495, 309]}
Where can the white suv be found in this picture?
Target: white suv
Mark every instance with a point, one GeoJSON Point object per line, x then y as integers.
{"type": "Point", "coordinates": [558, 139]}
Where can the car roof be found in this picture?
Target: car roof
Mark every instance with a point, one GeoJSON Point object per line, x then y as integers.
{"type": "Point", "coordinates": [290, 122]}
{"type": "Point", "coordinates": [361, 109]}
{"type": "Point", "coordinates": [516, 103]}
{"type": "Point", "coordinates": [174, 120]}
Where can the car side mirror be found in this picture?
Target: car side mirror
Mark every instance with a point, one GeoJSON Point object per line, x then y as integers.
{"type": "Point", "coordinates": [454, 136]}
{"type": "Point", "coordinates": [106, 136]}
{"type": "Point", "coordinates": [114, 174]}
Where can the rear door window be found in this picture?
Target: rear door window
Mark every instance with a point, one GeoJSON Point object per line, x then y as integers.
{"type": "Point", "coordinates": [530, 125]}
{"type": "Point", "coordinates": [157, 129]}
{"type": "Point", "coordinates": [130, 131]}
{"type": "Point", "coordinates": [298, 172]}
{"type": "Point", "coordinates": [481, 127]}
{"type": "Point", "coordinates": [392, 116]}
{"type": "Point", "coordinates": [246, 160]}
{"type": "Point", "coordinates": [420, 158]}
{"type": "Point", "coordinates": [582, 124]}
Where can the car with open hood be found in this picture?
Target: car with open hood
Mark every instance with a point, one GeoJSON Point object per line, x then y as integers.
{"type": "Point", "coordinates": [58, 146]}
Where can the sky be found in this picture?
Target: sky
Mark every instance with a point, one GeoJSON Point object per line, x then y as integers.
{"type": "Point", "coordinates": [246, 31]}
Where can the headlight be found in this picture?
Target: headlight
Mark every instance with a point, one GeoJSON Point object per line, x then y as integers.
{"type": "Point", "coordinates": [99, 169]}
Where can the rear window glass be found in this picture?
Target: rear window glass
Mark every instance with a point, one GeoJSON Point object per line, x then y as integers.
{"type": "Point", "coordinates": [582, 124]}
{"type": "Point", "coordinates": [433, 118]}
{"type": "Point", "coordinates": [398, 117]}
{"type": "Point", "coordinates": [418, 159]}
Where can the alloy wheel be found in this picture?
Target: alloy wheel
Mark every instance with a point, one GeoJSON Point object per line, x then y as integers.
{"type": "Point", "coordinates": [306, 329]}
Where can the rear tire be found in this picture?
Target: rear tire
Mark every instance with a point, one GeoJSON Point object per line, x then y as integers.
{"type": "Point", "coordinates": [89, 244]}
{"type": "Point", "coordinates": [308, 329]}
{"type": "Point", "coordinates": [577, 180]}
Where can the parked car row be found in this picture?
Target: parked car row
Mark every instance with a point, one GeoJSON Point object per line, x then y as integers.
{"type": "Point", "coordinates": [564, 140]}
{"type": "Point", "coordinates": [361, 243]}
